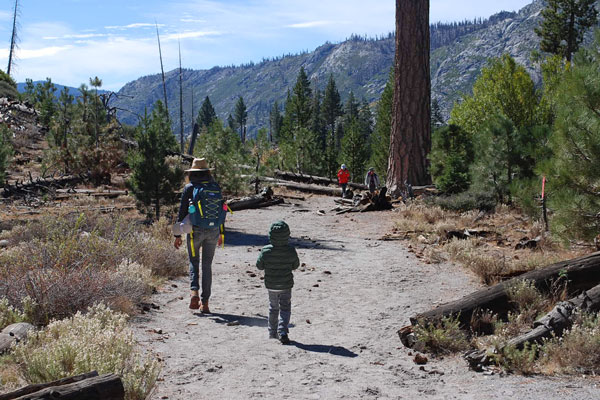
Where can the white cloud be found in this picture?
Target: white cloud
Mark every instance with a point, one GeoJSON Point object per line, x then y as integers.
{"type": "Point", "coordinates": [190, 35]}
{"type": "Point", "coordinates": [133, 26]}
{"type": "Point", "coordinates": [193, 20]}
{"type": "Point", "coordinates": [311, 24]}
{"type": "Point", "coordinates": [76, 36]}
{"type": "Point", "coordinates": [25, 53]}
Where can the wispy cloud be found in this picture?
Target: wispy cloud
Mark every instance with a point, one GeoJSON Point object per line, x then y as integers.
{"type": "Point", "coordinates": [76, 36]}
{"type": "Point", "coordinates": [133, 26]}
{"type": "Point", "coordinates": [26, 53]}
{"type": "Point", "coordinates": [311, 24]}
{"type": "Point", "coordinates": [190, 35]}
{"type": "Point", "coordinates": [193, 20]}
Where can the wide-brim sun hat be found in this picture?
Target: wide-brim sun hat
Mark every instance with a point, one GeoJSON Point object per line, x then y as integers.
{"type": "Point", "coordinates": [199, 164]}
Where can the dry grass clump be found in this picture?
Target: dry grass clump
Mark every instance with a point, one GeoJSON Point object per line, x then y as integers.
{"type": "Point", "coordinates": [442, 337]}
{"type": "Point", "coordinates": [97, 340]}
{"type": "Point", "coordinates": [68, 264]}
{"type": "Point", "coordinates": [472, 254]}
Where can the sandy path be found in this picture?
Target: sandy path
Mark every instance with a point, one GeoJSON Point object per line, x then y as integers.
{"type": "Point", "coordinates": [350, 297]}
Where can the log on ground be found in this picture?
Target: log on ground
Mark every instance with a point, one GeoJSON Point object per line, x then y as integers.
{"type": "Point", "coordinates": [582, 273]}
{"type": "Point", "coordinates": [39, 386]}
{"type": "Point", "coordinates": [104, 387]}
{"type": "Point", "coordinates": [559, 319]}
{"type": "Point", "coordinates": [311, 179]}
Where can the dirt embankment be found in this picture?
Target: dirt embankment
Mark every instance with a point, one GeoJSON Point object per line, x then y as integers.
{"type": "Point", "coordinates": [351, 295]}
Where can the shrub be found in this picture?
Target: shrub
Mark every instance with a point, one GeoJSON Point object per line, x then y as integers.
{"type": "Point", "coordinates": [577, 351]}
{"type": "Point", "coordinates": [443, 337]}
{"type": "Point", "coordinates": [11, 315]}
{"type": "Point", "coordinates": [528, 300]}
{"type": "Point", "coordinates": [466, 201]}
{"type": "Point", "coordinates": [521, 361]}
{"type": "Point", "coordinates": [98, 340]}
{"type": "Point", "coordinates": [67, 264]}
{"type": "Point", "coordinates": [489, 267]}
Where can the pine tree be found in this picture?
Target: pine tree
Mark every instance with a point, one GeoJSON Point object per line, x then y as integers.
{"type": "Point", "coordinates": [380, 140]}
{"type": "Point", "coordinates": [206, 115]}
{"type": "Point", "coordinates": [46, 101]}
{"type": "Point", "coordinates": [300, 107]}
{"type": "Point", "coordinates": [573, 185]}
{"type": "Point", "coordinates": [437, 120]}
{"type": "Point", "coordinates": [153, 182]}
{"type": "Point", "coordinates": [5, 151]}
{"type": "Point", "coordinates": [241, 117]}
{"type": "Point", "coordinates": [96, 83]}
{"type": "Point", "coordinates": [275, 122]}
{"type": "Point", "coordinates": [410, 141]}
{"type": "Point", "coordinates": [65, 116]}
{"type": "Point", "coordinates": [231, 122]}
{"type": "Point", "coordinates": [451, 155]}
{"type": "Point", "coordinates": [563, 26]}
{"type": "Point", "coordinates": [354, 150]}
{"type": "Point", "coordinates": [331, 109]}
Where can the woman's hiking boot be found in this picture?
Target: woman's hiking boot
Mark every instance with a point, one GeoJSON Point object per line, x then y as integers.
{"type": "Point", "coordinates": [194, 303]}
{"type": "Point", "coordinates": [205, 309]}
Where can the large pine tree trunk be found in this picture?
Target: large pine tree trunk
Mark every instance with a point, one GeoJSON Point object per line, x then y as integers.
{"type": "Point", "coordinates": [410, 140]}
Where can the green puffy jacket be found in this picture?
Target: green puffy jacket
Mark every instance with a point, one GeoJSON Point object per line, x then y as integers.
{"type": "Point", "coordinates": [278, 259]}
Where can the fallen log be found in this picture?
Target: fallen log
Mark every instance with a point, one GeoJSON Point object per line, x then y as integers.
{"type": "Point", "coordinates": [104, 387]}
{"type": "Point", "coordinates": [582, 273]}
{"type": "Point", "coordinates": [318, 180]}
{"type": "Point", "coordinates": [39, 386]}
{"type": "Point", "coordinates": [13, 333]}
{"type": "Point", "coordinates": [40, 184]}
{"type": "Point", "coordinates": [559, 319]}
{"type": "Point", "coordinates": [316, 189]}
{"type": "Point", "coordinates": [263, 199]}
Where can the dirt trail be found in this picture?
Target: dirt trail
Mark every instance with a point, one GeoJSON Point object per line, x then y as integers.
{"type": "Point", "coordinates": [351, 295]}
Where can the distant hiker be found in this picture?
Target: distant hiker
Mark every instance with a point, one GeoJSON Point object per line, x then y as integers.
{"type": "Point", "coordinates": [202, 205]}
{"type": "Point", "coordinates": [372, 180]}
{"type": "Point", "coordinates": [278, 259]}
{"type": "Point", "coordinates": [343, 177]}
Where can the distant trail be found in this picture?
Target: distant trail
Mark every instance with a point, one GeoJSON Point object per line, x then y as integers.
{"type": "Point", "coordinates": [350, 297]}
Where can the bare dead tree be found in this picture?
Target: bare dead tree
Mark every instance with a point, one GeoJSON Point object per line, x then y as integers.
{"type": "Point", "coordinates": [180, 101]}
{"type": "Point", "coordinates": [13, 39]}
{"type": "Point", "coordinates": [162, 70]}
{"type": "Point", "coordinates": [410, 140]}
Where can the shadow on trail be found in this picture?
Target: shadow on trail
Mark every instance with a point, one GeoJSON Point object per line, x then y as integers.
{"type": "Point", "coordinates": [321, 348]}
{"type": "Point", "coordinates": [233, 319]}
{"type": "Point", "coordinates": [234, 237]}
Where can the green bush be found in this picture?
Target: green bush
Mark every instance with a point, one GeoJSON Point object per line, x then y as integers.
{"type": "Point", "coordinates": [5, 151]}
{"type": "Point", "coordinates": [97, 340]}
{"type": "Point", "coordinates": [443, 337]}
{"type": "Point", "coordinates": [466, 201]}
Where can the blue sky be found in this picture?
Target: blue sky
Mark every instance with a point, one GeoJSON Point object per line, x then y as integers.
{"type": "Point", "coordinates": [72, 40]}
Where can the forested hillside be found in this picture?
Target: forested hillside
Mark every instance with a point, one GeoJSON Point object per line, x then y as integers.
{"type": "Point", "coordinates": [360, 65]}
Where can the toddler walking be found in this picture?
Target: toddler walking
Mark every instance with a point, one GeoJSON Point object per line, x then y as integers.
{"type": "Point", "coordinates": [278, 259]}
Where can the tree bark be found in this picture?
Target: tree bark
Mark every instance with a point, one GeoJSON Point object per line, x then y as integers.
{"type": "Point", "coordinates": [39, 386]}
{"type": "Point", "coordinates": [582, 273]}
{"type": "Point", "coordinates": [105, 387]}
{"type": "Point", "coordinates": [410, 140]}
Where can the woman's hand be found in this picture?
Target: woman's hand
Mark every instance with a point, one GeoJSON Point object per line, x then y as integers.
{"type": "Point", "coordinates": [178, 242]}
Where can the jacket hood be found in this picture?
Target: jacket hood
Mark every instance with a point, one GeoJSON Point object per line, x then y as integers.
{"type": "Point", "coordinates": [279, 234]}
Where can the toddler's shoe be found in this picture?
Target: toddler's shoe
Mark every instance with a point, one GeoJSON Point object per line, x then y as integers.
{"type": "Point", "coordinates": [284, 339]}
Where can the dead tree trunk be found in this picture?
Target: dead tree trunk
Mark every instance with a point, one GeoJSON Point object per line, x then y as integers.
{"type": "Point", "coordinates": [410, 139]}
{"type": "Point", "coordinates": [264, 199]}
{"type": "Point", "coordinates": [582, 273]}
{"type": "Point", "coordinates": [105, 387]}
{"type": "Point", "coordinates": [13, 334]}
{"type": "Point", "coordinates": [559, 319]}
{"type": "Point", "coordinates": [319, 180]}
{"type": "Point", "coordinates": [39, 386]}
